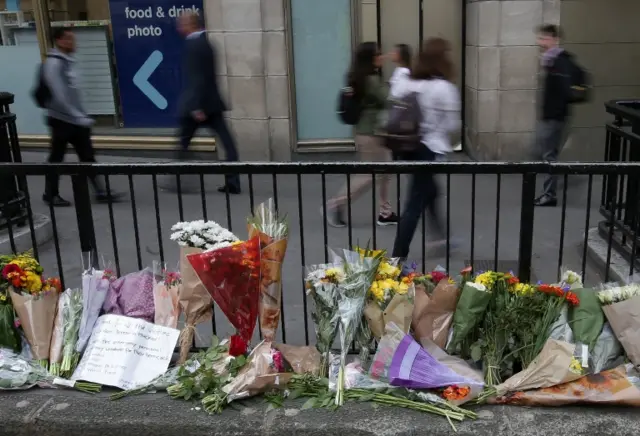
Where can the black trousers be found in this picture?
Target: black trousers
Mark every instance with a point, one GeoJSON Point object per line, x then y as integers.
{"type": "Point", "coordinates": [63, 133]}
{"type": "Point", "coordinates": [218, 126]}
{"type": "Point", "coordinates": [423, 193]}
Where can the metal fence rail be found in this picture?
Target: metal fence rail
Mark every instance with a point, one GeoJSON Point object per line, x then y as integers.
{"type": "Point", "coordinates": [491, 205]}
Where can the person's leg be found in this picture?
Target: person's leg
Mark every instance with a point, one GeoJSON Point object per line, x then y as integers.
{"type": "Point", "coordinates": [549, 136]}
{"type": "Point", "coordinates": [187, 129]}
{"type": "Point", "coordinates": [60, 134]}
{"type": "Point", "coordinates": [219, 125]}
{"type": "Point", "coordinates": [414, 205]}
{"type": "Point", "coordinates": [81, 142]}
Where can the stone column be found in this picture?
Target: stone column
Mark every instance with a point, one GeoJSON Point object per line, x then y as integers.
{"type": "Point", "coordinates": [502, 75]}
{"type": "Point", "coordinates": [250, 38]}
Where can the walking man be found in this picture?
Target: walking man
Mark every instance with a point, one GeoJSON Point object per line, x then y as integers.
{"type": "Point", "coordinates": [200, 102]}
{"type": "Point", "coordinates": [67, 119]}
{"type": "Point", "coordinates": [552, 124]}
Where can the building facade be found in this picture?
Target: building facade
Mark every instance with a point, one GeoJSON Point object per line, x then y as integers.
{"type": "Point", "coordinates": [283, 63]}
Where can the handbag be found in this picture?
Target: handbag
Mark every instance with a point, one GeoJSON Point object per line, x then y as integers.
{"type": "Point", "coordinates": [400, 127]}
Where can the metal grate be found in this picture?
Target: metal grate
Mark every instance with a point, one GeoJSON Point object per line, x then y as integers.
{"type": "Point", "coordinates": [503, 266]}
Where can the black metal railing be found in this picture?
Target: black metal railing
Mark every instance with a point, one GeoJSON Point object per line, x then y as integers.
{"type": "Point", "coordinates": [488, 207]}
{"type": "Point", "coordinates": [619, 204]}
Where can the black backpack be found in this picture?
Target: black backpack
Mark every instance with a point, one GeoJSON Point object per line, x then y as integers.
{"type": "Point", "coordinates": [349, 107]}
{"type": "Point", "coordinates": [41, 93]}
{"type": "Point", "coordinates": [401, 129]}
{"type": "Point", "coordinates": [580, 83]}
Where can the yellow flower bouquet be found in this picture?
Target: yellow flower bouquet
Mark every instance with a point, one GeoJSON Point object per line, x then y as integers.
{"type": "Point", "coordinates": [390, 299]}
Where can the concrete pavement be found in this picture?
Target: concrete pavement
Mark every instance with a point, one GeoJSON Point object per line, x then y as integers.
{"type": "Point", "coordinates": [547, 226]}
{"type": "Point", "coordinates": [46, 412]}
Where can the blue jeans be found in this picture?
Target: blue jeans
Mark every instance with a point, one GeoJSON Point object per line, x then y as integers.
{"type": "Point", "coordinates": [422, 195]}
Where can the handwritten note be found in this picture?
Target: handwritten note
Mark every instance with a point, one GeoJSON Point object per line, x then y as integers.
{"type": "Point", "coordinates": [126, 352]}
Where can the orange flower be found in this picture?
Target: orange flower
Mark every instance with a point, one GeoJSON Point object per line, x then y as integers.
{"type": "Point", "coordinates": [453, 393]}
{"type": "Point", "coordinates": [572, 299]}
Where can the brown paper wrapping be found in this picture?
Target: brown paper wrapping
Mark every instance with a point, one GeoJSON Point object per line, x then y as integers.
{"type": "Point", "coordinates": [271, 257]}
{"type": "Point", "coordinates": [550, 368]}
{"type": "Point", "coordinates": [259, 376]}
{"type": "Point", "coordinates": [611, 388]}
{"type": "Point", "coordinates": [195, 301]}
{"type": "Point", "coordinates": [37, 318]}
{"type": "Point", "coordinates": [399, 311]}
{"type": "Point", "coordinates": [624, 318]}
{"type": "Point", "coordinates": [433, 314]}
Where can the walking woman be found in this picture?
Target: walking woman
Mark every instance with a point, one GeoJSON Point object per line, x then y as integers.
{"type": "Point", "coordinates": [401, 57]}
{"type": "Point", "coordinates": [370, 91]}
{"type": "Point", "coordinates": [439, 101]}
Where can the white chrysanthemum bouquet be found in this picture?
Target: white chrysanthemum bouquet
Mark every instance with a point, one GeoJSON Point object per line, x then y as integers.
{"type": "Point", "coordinates": [205, 235]}
{"type": "Point", "coordinates": [621, 305]}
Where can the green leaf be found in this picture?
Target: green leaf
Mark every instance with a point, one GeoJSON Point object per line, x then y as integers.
{"type": "Point", "coordinates": [476, 353]}
{"type": "Point", "coordinates": [215, 342]}
{"type": "Point", "coordinates": [309, 404]}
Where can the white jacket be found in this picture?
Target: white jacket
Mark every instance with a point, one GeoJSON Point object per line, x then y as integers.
{"type": "Point", "coordinates": [440, 104]}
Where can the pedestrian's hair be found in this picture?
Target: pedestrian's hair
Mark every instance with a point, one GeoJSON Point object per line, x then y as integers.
{"type": "Point", "coordinates": [195, 19]}
{"type": "Point", "coordinates": [362, 66]}
{"type": "Point", "coordinates": [551, 30]}
{"type": "Point", "coordinates": [59, 32]}
{"type": "Point", "coordinates": [433, 61]}
{"type": "Point", "coordinates": [404, 53]}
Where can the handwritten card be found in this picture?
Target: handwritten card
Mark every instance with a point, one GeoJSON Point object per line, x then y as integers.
{"type": "Point", "coordinates": [126, 352]}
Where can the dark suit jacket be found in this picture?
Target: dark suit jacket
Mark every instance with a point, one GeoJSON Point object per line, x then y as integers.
{"type": "Point", "coordinates": [200, 87]}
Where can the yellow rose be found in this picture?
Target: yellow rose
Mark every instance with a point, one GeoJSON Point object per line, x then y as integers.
{"type": "Point", "coordinates": [32, 282]}
{"type": "Point", "coordinates": [403, 288]}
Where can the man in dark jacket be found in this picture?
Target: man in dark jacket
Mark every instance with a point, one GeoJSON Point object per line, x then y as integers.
{"type": "Point", "coordinates": [552, 124]}
{"type": "Point", "coordinates": [200, 102]}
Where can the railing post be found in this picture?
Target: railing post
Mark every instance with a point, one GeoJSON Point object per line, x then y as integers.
{"type": "Point", "coordinates": [86, 231]}
{"type": "Point", "coordinates": [525, 252]}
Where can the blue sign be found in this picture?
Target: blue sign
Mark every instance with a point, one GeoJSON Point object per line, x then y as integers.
{"type": "Point", "coordinates": [149, 51]}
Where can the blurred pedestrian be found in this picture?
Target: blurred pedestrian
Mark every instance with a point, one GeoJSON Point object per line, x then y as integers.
{"type": "Point", "coordinates": [69, 123]}
{"type": "Point", "coordinates": [401, 57]}
{"type": "Point", "coordinates": [439, 100]}
{"type": "Point", "coordinates": [201, 103]}
{"type": "Point", "coordinates": [369, 92]}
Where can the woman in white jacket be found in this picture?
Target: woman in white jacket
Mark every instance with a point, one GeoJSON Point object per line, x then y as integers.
{"type": "Point", "coordinates": [401, 57]}
{"type": "Point", "coordinates": [439, 101]}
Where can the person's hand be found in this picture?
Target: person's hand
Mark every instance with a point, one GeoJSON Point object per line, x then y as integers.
{"type": "Point", "coordinates": [198, 116]}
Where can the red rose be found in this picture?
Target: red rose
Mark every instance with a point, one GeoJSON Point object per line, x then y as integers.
{"type": "Point", "coordinates": [10, 268]}
{"type": "Point", "coordinates": [438, 276]}
{"type": "Point", "coordinates": [237, 347]}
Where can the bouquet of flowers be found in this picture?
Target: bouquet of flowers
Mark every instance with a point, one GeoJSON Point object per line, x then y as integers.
{"type": "Point", "coordinates": [57, 337]}
{"type": "Point", "coordinates": [390, 299]}
{"type": "Point", "coordinates": [95, 286]}
{"type": "Point", "coordinates": [132, 296]}
{"type": "Point", "coordinates": [195, 237]}
{"type": "Point", "coordinates": [231, 275]}
{"type": "Point", "coordinates": [165, 297]}
{"type": "Point", "coordinates": [72, 318]}
{"type": "Point", "coordinates": [621, 306]}
{"type": "Point", "coordinates": [587, 318]}
{"type": "Point", "coordinates": [35, 300]}
{"type": "Point", "coordinates": [273, 232]}
{"type": "Point", "coordinates": [352, 292]}
{"type": "Point", "coordinates": [436, 297]}
{"type": "Point", "coordinates": [322, 286]}
{"type": "Point", "coordinates": [470, 310]}
{"type": "Point", "coordinates": [9, 334]}
{"type": "Point", "coordinates": [18, 373]}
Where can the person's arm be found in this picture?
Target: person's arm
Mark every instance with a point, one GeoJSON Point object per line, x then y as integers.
{"type": "Point", "coordinates": [564, 69]}
{"type": "Point", "coordinates": [447, 103]}
{"type": "Point", "coordinates": [197, 60]}
{"type": "Point", "coordinates": [58, 83]}
{"type": "Point", "coordinates": [377, 93]}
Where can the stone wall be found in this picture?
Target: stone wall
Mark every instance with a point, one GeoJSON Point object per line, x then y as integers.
{"type": "Point", "coordinates": [251, 42]}
{"type": "Point", "coordinates": [605, 37]}
{"type": "Point", "coordinates": [502, 75]}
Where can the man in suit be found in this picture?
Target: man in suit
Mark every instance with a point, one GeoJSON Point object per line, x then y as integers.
{"type": "Point", "coordinates": [200, 102]}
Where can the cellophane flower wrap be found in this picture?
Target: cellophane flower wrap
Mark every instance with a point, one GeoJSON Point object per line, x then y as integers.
{"type": "Point", "coordinates": [95, 286]}
{"type": "Point", "coordinates": [166, 296]}
{"type": "Point", "coordinates": [72, 318]}
{"type": "Point", "coordinates": [35, 301]}
{"type": "Point", "coordinates": [9, 334]}
{"type": "Point", "coordinates": [621, 306]}
{"type": "Point", "coordinates": [195, 237]}
{"type": "Point", "coordinates": [359, 272]}
{"type": "Point", "coordinates": [231, 275]}
{"type": "Point", "coordinates": [470, 310]}
{"type": "Point", "coordinates": [57, 337]}
{"type": "Point", "coordinates": [321, 282]}
{"type": "Point", "coordinates": [273, 232]}
{"type": "Point", "coordinates": [132, 296]}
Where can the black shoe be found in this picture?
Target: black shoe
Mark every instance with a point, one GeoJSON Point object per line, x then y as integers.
{"type": "Point", "coordinates": [546, 201]}
{"type": "Point", "coordinates": [230, 189]}
{"type": "Point", "coordinates": [335, 217]}
{"type": "Point", "coordinates": [391, 220]}
{"type": "Point", "coordinates": [55, 201]}
{"type": "Point", "coordinates": [103, 197]}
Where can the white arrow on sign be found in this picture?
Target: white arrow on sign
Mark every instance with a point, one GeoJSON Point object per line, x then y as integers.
{"type": "Point", "coordinates": [141, 80]}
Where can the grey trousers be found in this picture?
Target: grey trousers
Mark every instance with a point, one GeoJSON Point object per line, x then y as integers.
{"type": "Point", "coordinates": [550, 138]}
